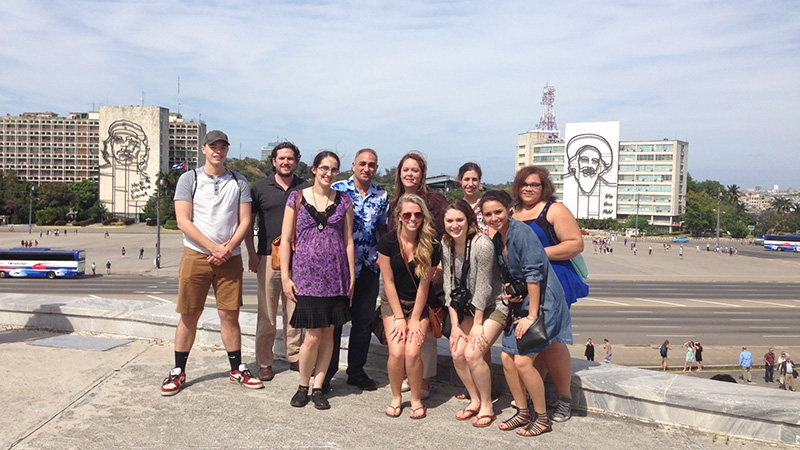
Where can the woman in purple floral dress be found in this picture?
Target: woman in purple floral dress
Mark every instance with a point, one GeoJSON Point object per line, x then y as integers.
{"type": "Point", "coordinates": [320, 275]}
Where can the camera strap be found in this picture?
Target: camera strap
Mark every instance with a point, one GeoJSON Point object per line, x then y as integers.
{"type": "Point", "coordinates": [464, 266]}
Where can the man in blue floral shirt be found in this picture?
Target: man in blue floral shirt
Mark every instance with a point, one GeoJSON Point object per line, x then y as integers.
{"type": "Point", "coordinates": [371, 209]}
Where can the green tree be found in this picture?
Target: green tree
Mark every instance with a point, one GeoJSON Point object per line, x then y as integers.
{"type": "Point", "coordinates": [699, 216]}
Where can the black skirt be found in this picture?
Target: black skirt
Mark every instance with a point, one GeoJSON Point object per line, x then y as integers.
{"type": "Point", "coordinates": [320, 312]}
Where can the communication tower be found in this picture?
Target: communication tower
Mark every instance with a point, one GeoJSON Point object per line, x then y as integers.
{"type": "Point", "coordinates": [548, 120]}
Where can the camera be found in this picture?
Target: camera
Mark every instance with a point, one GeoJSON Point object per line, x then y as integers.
{"type": "Point", "coordinates": [459, 299]}
{"type": "Point", "coordinates": [517, 289]}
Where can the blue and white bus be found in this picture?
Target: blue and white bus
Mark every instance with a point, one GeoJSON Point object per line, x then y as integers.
{"type": "Point", "coordinates": [42, 262]}
{"type": "Point", "coordinates": [782, 242]}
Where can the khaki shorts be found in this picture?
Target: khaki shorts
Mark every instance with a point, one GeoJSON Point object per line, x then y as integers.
{"type": "Point", "coordinates": [196, 275]}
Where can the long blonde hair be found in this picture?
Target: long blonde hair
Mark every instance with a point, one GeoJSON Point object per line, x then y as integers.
{"type": "Point", "coordinates": [423, 247]}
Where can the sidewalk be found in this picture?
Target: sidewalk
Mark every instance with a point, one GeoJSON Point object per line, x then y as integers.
{"type": "Point", "coordinates": [120, 399]}
{"type": "Point", "coordinates": [91, 399]}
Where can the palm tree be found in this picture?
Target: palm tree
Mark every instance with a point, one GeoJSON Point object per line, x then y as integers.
{"type": "Point", "coordinates": [782, 205]}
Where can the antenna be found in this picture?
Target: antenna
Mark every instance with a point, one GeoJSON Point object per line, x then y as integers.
{"type": "Point", "coordinates": [179, 95]}
{"type": "Point", "coordinates": [548, 119]}
{"type": "Point", "coordinates": [240, 150]}
{"type": "Point", "coordinates": [142, 98]}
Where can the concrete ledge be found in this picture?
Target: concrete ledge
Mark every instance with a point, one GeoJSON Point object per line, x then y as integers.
{"type": "Point", "coordinates": [739, 410]}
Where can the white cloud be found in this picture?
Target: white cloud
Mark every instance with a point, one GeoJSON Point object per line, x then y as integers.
{"type": "Point", "coordinates": [455, 79]}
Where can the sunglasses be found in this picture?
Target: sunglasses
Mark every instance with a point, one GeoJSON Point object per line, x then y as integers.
{"type": "Point", "coordinates": [407, 215]}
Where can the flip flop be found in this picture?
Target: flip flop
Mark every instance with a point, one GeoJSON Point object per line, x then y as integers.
{"type": "Point", "coordinates": [396, 411]}
{"type": "Point", "coordinates": [424, 413]}
{"type": "Point", "coordinates": [463, 395]}
{"type": "Point", "coordinates": [477, 419]}
{"type": "Point", "coordinates": [466, 414]}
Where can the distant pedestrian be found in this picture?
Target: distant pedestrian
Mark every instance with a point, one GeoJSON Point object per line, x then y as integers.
{"type": "Point", "coordinates": [105, 235]}
{"type": "Point", "coordinates": [589, 352]}
{"type": "Point", "coordinates": [745, 362]}
{"type": "Point", "coordinates": [665, 347]}
{"type": "Point", "coordinates": [36, 242]}
{"type": "Point", "coordinates": [108, 267]}
{"type": "Point", "coordinates": [708, 247]}
{"type": "Point", "coordinates": [123, 252]}
{"type": "Point", "coordinates": [698, 356]}
{"type": "Point", "coordinates": [689, 363]}
{"type": "Point", "coordinates": [40, 233]}
{"type": "Point", "coordinates": [650, 250]}
{"type": "Point", "coordinates": [141, 253]}
{"type": "Point", "coordinates": [680, 251]}
{"type": "Point", "coordinates": [626, 241]}
{"type": "Point", "coordinates": [769, 366]}
{"type": "Point", "coordinates": [607, 346]}
{"type": "Point", "coordinates": [779, 362]}
{"type": "Point", "coordinates": [635, 250]}
{"type": "Point", "coordinates": [789, 374]}
{"type": "Point", "coordinates": [94, 267]}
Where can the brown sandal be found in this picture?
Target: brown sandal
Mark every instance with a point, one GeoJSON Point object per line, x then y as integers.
{"type": "Point", "coordinates": [521, 418]}
{"type": "Point", "coordinates": [477, 419]}
{"type": "Point", "coordinates": [466, 414]}
{"type": "Point", "coordinates": [540, 426]}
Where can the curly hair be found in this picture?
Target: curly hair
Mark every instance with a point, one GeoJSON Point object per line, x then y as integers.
{"type": "Point", "coordinates": [548, 188]}
{"type": "Point", "coordinates": [423, 246]}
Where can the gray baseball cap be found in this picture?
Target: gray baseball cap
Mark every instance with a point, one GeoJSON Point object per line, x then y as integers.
{"type": "Point", "coordinates": [215, 136]}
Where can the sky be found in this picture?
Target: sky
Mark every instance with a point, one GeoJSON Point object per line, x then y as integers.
{"type": "Point", "coordinates": [457, 80]}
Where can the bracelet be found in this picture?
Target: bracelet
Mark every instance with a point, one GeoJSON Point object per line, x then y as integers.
{"type": "Point", "coordinates": [397, 318]}
{"type": "Point", "coordinates": [532, 319]}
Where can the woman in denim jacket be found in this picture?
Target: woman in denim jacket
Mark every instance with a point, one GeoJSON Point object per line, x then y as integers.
{"type": "Point", "coordinates": [526, 261]}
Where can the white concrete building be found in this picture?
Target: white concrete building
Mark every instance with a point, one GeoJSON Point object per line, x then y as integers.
{"type": "Point", "coordinates": [651, 172]}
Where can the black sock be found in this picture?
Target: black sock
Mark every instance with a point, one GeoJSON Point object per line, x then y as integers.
{"type": "Point", "coordinates": [316, 391]}
{"type": "Point", "coordinates": [180, 360]}
{"type": "Point", "coordinates": [235, 358]}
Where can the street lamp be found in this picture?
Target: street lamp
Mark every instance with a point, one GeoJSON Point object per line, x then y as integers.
{"type": "Point", "coordinates": [158, 222]}
{"type": "Point", "coordinates": [30, 213]}
{"type": "Point", "coordinates": [636, 227]}
{"type": "Point", "coordinates": [719, 197]}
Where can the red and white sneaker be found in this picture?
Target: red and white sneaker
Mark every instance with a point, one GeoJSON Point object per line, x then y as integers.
{"type": "Point", "coordinates": [174, 382]}
{"type": "Point", "coordinates": [245, 378]}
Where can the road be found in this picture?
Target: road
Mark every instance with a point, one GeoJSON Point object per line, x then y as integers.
{"type": "Point", "coordinates": [632, 312]}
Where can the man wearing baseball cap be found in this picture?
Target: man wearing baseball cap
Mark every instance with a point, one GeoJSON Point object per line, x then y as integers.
{"type": "Point", "coordinates": [212, 205]}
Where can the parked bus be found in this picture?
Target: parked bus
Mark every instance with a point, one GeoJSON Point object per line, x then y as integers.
{"type": "Point", "coordinates": [42, 262]}
{"type": "Point", "coordinates": [782, 242]}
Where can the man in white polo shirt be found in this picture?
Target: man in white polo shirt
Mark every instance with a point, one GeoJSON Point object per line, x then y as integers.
{"type": "Point", "coordinates": [212, 205]}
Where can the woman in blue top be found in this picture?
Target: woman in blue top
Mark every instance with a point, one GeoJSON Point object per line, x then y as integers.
{"type": "Point", "coordinates": [558, 231]}
{"type": "Point", "coordinates": [520, 251]}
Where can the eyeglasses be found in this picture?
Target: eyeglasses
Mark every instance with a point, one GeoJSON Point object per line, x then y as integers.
{"type": "Point", "coordinates": [407, 215]}
{"type": "Point", "coordinates": [326, 169]}
{"type": "Point", "coordinates": [531, 185]}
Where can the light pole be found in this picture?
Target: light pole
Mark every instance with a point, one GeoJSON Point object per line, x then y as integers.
{"type": "Point", "coordinates": [30, 213]}
{"type": "Point", "coordinates": [719, 197]}
{"type": "Point", "coordinates": [158, 222]}
{"type": "Point", "coordinates": [636, 227]}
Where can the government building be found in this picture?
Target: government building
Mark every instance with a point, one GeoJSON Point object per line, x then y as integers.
{"type": "Point", "coordinates": [598, 176]}
{"type": "Point", "coordinates": [123, 148]}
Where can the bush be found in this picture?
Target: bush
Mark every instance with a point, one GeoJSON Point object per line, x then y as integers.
{"type": "Point", "coordinates": [60, 223]}
{"type": "Point", "coordinates": [171, 225]}
{"type": "Point", "coordinates": [86, 223]}
{"type": "Point", "coordinates": [128, 221]}
{"type": "Point", "coordinates": [150, 222]}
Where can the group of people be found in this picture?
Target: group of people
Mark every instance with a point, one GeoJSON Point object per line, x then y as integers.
{"type": "Point", "coordinates": [491, 260]}
{"type": "Point", "coordinates": [787, 371]}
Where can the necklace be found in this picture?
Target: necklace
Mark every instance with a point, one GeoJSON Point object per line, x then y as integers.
{"type": "Point", "coordinates": [320, 217]}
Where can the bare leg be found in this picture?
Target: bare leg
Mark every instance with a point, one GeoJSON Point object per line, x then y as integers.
{"type": "Point", "coordinates": [186, 331]}
{"type": "Point", "coordinates": [480, 369]}
{"type": "Point", "coordinates": [229, 329]}
{"type": "Point", "coordinates": [323, 357]}
{"type": "Point", "coordinates": [395, 364]}
{"type": "Point", "coordinates": [413, 362]}
{"type": "Point", "coordinates": [308, 354]}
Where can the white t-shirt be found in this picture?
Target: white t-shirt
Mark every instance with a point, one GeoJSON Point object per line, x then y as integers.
{"type": "Point", "coordinates": [215, 209]}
